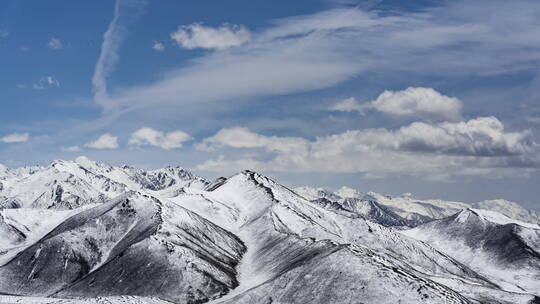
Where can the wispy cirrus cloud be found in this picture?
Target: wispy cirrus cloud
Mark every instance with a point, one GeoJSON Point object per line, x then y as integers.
{"type": "Point", "coordinates": [320, 50]}
{"type": "Point", "coordinates": [15, 138]}
{"type": "Point", "coordinates": [44, 82]}
{"type": "Point", "coordinates": [533, 119]}
{"type": "Point", "coordinates": [125, 13]}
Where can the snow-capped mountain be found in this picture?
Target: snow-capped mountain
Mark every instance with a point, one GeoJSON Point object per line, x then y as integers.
{"type": "Point", "coordinates": [368, 208]}
{"type": "Point", "coordinates": [504, 250]}
{"type": "Point", "coordinates": [84, 232]}
{"type": "Point", "coordinates": [510, 209]}
{"type": "Point", "coordinates": [418, 211]}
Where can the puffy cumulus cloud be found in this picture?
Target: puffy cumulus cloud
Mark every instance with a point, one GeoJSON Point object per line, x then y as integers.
{"type": "Point", "coordinates": [150, 137]}
{"type": "Point", "coordinates": [411, 102]}
{"type": "Point", "coordinates": [476, 147]}
{"type": "Point", "coordinates": [105, 141]}
{"type": "Point", "coordinates": [158, 46]}
{"type": "Point", "coordinates": [196, 35]}
{"type": "Point", "coordinates": [484, 136]}
{"type": "Point", "coordinates": [418, 102]}
{"type": "Point", "coordinates": [15, 138]}
{"type": "Point", "coordinates": [55, 44]}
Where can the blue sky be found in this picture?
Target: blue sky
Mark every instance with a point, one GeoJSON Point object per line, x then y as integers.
{"type": "Point", "coordinates": [437, 98]}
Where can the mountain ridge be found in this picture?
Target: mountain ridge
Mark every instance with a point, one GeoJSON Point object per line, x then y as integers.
{"type": "Point", "coordinates": [418, 210]}
{"type": "Point", "coordinates": [241, 239]}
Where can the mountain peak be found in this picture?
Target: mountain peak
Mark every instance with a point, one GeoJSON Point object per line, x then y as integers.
{"type": "Point", "coordinates": [85, 161]}
{"type": "Point", "coordinates": [498, 218]}
{"type": "Point", "coordinates": [347, 192]}
{"type": "Point", "coordinates": [110, 230]}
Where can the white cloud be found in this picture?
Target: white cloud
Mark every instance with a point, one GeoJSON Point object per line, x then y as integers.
{"type": "Point", "coordinates": [125, 12]}
{"type": "Point", "coordinates": [484, 136]}
{"type": "Point", "coordinates": [418, 102]}
{"type": "Point", "coordinates": [15, 138]}
{"type": "Point", "coordinates": [411, 102]}
{"type": "Point", "coordinates": [24, 48]}
{"type": "Point", "coordinates": [105, 141]}
{"type": "Point", "coordinates": [271, 68]}
{"type": "Point", "coordinates": [49, 80]}
{"type": "Point", "coordinates": [321, 50]}
{"type": "Point", "coordinates": [55, 44]}
{"type": "Point", "coordinates": [239, 137]}
{"type": "Point", "coordinates": [43, 82]}
{"type": "Point", "coordinates": [158, 46]}
{"type": "Point", "coordinates": [150, 137]}
{"type": "Point", "coordinates": [348, 105]}
{"type": "Point", "coordinates": [431, 151]}
{"type": "Point", "coordinates": [196, 35]}
{"type": "Point", "coordinates": [71, 149]}
{"type": "Point", "coordinates": [533, 119]}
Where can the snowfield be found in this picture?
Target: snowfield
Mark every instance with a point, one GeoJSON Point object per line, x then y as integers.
{"type": "Point", "coordinates": [85, 232]}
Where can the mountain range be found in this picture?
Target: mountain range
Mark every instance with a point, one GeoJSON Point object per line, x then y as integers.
{"type": "Point", "coordinates": [86, 232]}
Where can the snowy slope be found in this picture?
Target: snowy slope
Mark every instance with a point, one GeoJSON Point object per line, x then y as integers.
{"type": "Point", "coordinates": [281, 210]}
{"type": "Point", "coordinates": [504, 250]}
{"type": "Point", "coordinates": [134, 245]}
{"type": "Point", "coordinates": [272, 223]}
{"type": "Point", "coordinates": [6, 299]}
{"type": "Point", "coordinates": [420, 211]}
{"type": "Point", "coordinates": [126, 235]}
{"type": "Point", "coordinates": [510, 209]}
{"type": "Point", "coordinates": [71, 184]}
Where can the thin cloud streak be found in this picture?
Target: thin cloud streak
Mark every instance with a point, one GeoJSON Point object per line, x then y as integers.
{"type": "Point", "coordinates": [15, 138]}
{"type": "Point", "coordinates": [125, 12]}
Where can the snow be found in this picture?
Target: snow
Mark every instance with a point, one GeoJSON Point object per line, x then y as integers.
{"type": "Point", "coordinates": [244, 239]}
{"type": "Point", "coordinates": [315, 193]}
{"type": "Point", "coordinates": [409, 207]}
{"type": "Point", "coordinates": [346, 192]}
{"type": "Point", "coordinates": [5, 299]}
{"type": "Point", "coordinates": [34, 223]}
{"type": "Point", "coordinates": [499, 218]}
{"type": "Point", "coordinates": [458, 237]}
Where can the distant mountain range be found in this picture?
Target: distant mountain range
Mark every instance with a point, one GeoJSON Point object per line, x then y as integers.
{"type": "Point", "coordinates": [414, 210]}
{"type": "Point", "coordinates": [86, 232]}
